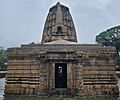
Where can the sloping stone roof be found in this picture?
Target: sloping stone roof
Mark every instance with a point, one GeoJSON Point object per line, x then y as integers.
{"type": "Point", "coordinates": [60, 41]}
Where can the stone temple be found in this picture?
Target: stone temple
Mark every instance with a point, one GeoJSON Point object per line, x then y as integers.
{"type": "Point", "coordinates": [59, 65]}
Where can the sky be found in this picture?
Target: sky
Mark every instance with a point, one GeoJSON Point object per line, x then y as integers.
{"type": "Point", "coordinates": [22, 21]}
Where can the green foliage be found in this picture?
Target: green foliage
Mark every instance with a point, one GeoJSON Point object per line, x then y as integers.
{"type": "Point", "coordinates": [111, 37]}
{"type": "Point", "coordinates": [3, 59]}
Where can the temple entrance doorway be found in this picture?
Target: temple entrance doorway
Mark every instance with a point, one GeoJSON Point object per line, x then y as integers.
{"type": "Point", "coordinates": [60, 75]}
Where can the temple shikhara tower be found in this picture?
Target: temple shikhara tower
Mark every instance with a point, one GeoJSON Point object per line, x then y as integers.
{"type": "Point", "coordinates": [59, 65]}
{"type": "Point", "coordinates": [59, 25]}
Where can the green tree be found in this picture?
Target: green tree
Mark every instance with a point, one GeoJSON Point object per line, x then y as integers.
{"type": "Point", "coordinates": [111, 37]}
{"type": "Point", "coordinates": [3, 59]}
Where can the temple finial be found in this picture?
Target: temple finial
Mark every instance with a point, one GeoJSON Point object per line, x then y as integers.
{"type": "Point", "coordinates": [58, 3]}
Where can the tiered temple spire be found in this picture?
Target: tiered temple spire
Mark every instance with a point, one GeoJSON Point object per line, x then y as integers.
{"type": "Point", "coordinates": [59, 25]}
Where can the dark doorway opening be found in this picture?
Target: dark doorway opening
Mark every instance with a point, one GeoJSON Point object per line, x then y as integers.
{"type": "Point", "coordinates": [60, 75]}
{"type": "Point", "coordinates": [59, 30]}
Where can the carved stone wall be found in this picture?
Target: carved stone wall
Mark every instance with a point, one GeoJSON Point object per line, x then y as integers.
{"type": "Point", "coordinates": [90, 69]}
